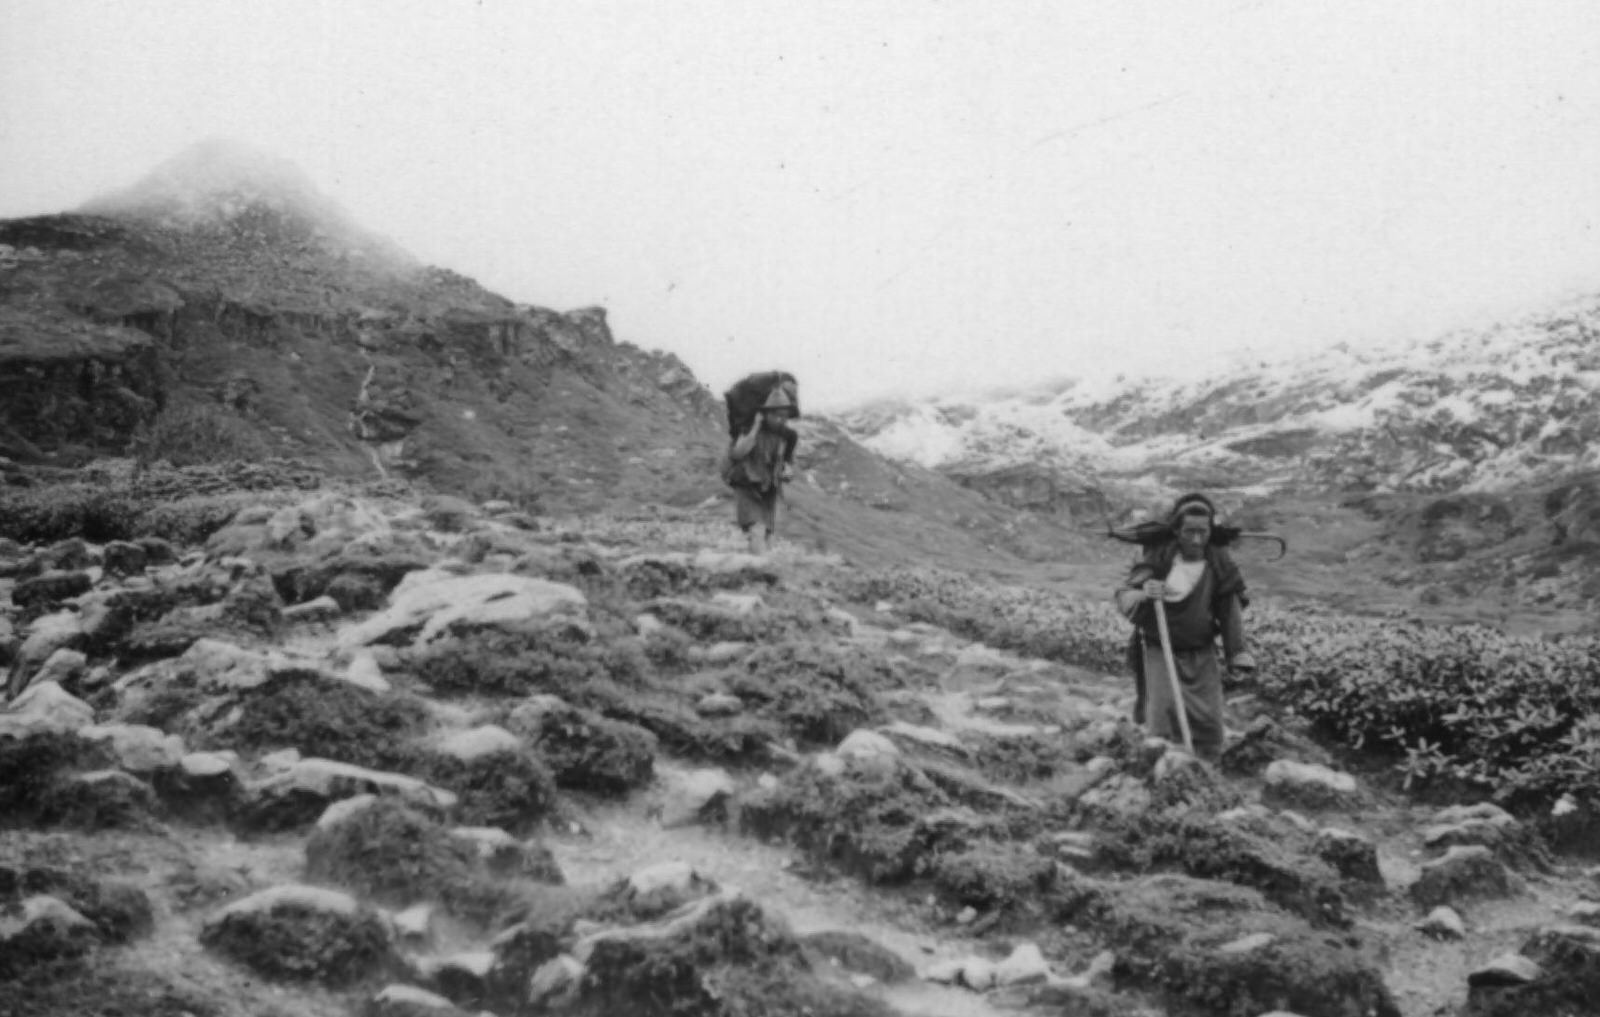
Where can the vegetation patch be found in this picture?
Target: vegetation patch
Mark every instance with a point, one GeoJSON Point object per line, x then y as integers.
{"type": "Point", "coordinates": [73, 988]}
{"type": "Point", "coordinates": [884, 824]}
{"type": "Point", "coordinates": [326, 719]}
{"type": "Point", "coordinates": [511, 790]}
{"type": "Point", "coordinates": [588, 752]}
{"type": "Point", "coordinates": [294, 942]}
{"type": "Point", "coordinates": [818, 693]}
{"type": "Point", "coordinates": [395, 854]}
{"type": "Point", "coordinates": [1518, 718]}
{"type": "Point", "coordinates": [31, 766]}
{"type": "Point", "coordinates": [989, 875]}
{"type": "Point", "coordinates": [733, 961]}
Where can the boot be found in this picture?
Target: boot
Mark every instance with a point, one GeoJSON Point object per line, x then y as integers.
{"type": "Point", "coordinates": [758, 540]}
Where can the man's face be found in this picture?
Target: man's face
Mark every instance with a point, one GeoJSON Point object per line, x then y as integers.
{"type": "Point", "coordinates": [1193, 533]}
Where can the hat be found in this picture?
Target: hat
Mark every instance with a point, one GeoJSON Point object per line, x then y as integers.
{"type": "Point", "coordinates": [778, 399]}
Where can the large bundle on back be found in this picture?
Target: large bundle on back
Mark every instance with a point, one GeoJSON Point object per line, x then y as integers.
{"type": "Point", "coordinates": [745, 399]}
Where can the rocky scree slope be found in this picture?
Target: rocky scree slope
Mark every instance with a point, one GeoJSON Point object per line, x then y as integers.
{"type": "Point", "coordinates": [361, 754]}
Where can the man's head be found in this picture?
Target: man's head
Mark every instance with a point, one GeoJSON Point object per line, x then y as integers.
{"type": "Point", "coordinates": [1191, 521]}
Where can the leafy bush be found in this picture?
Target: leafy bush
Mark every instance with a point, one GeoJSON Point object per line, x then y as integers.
{"type": "Point", "coordinates": [1509, 715]}
{"type": "Point", "coordinates": [327, 719]}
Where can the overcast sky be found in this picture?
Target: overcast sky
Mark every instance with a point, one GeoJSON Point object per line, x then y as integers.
{"type": "Point", "coordinates": [882, 197]}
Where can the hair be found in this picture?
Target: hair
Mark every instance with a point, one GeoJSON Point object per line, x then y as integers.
{"type": "Point", "coordinates": [1191, 505]}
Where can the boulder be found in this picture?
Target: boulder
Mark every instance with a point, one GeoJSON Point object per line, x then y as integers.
{"type": "Point", "coordinates": [40, 929]}
{"type": "Point", "coordinates": [1308, 786]}
{"type": "Point", "coordinates": [99, 800]}
{"type": "Point", "coordinates": [1443, 923]}
{"type": "Point", "coordinates": [1025, 965]}
{"type": "Point", "coordinates": [45, 708]}
{"type": "Point", "coordinates": [125, 558]}
{"type": "Point", "coordinates": [302, 791]}
{"type": "Point", "coordinates": [860, 955]}
{"type": "Point", "coordinates": [137, 747]}
{"type": "Point", "coordinates": [301, 933]}
{"type": "Point", "coordinates": [50, 588]}
{"type": "Point", "coordinates": [686, 797]}
{"type": "Point", "coordinates": [409, 1001]}
{"type": "Point", "coordinates": [1461, 874]}
{"type": "Point", "coordinates": [432, 601]}
{"type": "Point", "coordinates": [1352, 855]}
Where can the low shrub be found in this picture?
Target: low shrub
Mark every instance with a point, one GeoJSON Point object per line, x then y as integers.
{"type": "Point", "coordinates": [511, 790]}
{"type": "Point", "coordinates": [397, 855]}
{"type": "Point", "coordinates": [818, 693]}
{"type": "Point", "coordinates": [1511, 716]}
{"type": "Point", "coordinates": [327, 719]}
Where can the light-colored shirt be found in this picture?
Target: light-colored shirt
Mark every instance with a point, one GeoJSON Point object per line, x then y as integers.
{"type": "Point", "coordinates": [1183, 578]}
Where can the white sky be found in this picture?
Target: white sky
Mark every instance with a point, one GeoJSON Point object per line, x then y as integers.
{"type": "Point", "coordinates": [882, 197]}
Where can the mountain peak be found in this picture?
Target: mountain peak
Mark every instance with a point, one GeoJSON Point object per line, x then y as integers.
{"type": "Point", "coordinates": [224, 185]}
{"type": "Point", "coordinates": [215, 181]}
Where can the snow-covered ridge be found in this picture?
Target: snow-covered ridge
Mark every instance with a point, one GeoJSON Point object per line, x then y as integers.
{"type": "Point", "coordinates": [1481, 409]}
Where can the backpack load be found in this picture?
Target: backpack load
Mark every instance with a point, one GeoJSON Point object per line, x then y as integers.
{"type": "Point", "coordinates": [757, 392]}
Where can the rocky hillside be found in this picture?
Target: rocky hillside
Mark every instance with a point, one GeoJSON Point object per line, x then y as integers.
{"type": "Point", "coordinates": [364, 754]}
{"type": "Point", "coordinates": [223, 308]}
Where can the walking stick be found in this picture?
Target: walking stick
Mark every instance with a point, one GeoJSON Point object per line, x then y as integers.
{"type": "Point", "coordinates": [1172, 675]}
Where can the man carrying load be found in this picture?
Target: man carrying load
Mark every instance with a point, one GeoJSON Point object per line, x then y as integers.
{"type": "Point", "coordinates": [761, 456]}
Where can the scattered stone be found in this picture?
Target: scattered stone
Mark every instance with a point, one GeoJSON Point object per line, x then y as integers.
{"type": "Point", "coordinates": [410, 1001]}
{"type": "Point", "coordinates": [45, 708]}
{"type": "Point", "coordinates": [99, 800]}
{"type": "Point", "coordinates": [1506, 969]}
{"type": "Point", "coordinates": [301, 933]}
{"type": "Point", "coordinates": [39, 929]}
{"type": "Point", "coordinates": [299, 793]}
{"type": "Point", "coordinates": [365, 672]}
{"type": "Point", "coordinates": [124, 558]}
{"type": "Point", "coordinates": [1024, 966]}
{"type": "Point", "coordinates": [648, 624]}
{"type": "Point", "coordinates": [1443, 922]}
{"type": "Point", "coordinates": [724, 652]}
{"type": "Point", "coordinates": [1248, 944]}
{"type": "Point", "coordinates": [63, 667]}
{"type": "Point", "coordinates": [694, 796]}
{"type": "Point", "coordinates": [478, 742]}
{"type": "Point", "coordinates": [1308, 786]}
{"type": "Point", "coordinates": [860, 955]}
{"type": "Point", "coordinates": [51, 588]}
{"type": "Point", "coordinates": [866, 746]}
{"type": "Point", "coordinates": [1585, 912]}
{"type": "Point", "coordinates": [555, 982]}
{"type": "Point", "coordinates": [414, 923]}
{"type": "Point", "coordinates": [719, 704]}
{"type": "Point", "coordinates": [979, 974]}
{"type": "Point", "coordinates": [319, 609]}
{"type": "Point", "coordinates": [138, 748]}
{"type": "Point", "coordinates": [1352, 855]}
{"type": "Point", "coordinates": [1463, 872]}
{"type": "Point", "coordinates": [203, 786]}
{"type": "Point", "coordinates": [926, 737]}
{"type": "Point", "coordinates": [841, 622]}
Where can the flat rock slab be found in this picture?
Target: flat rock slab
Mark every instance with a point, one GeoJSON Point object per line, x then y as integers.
{"type": "Point", "coordinates": [432, 601]}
